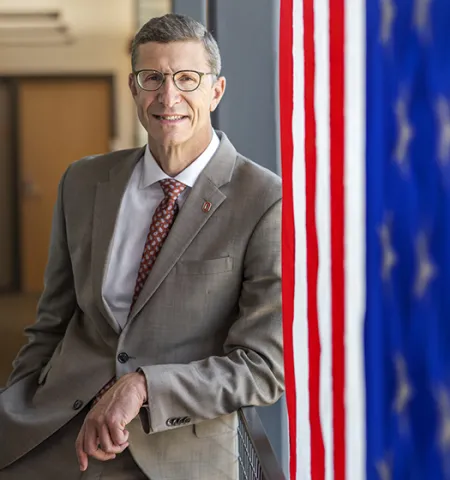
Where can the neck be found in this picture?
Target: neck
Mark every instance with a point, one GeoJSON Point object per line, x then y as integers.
{"type": "Point", "coordinates": [173, 159]}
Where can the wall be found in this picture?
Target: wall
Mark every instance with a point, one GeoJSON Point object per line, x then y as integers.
{"type": "Point", "coordinates": [248, 110]}
{"type": "Point", "coordinates": [249, 114]}
{"type": "Point", "coordinates": [147, 9]}
{"type": "Point", "coordinates": [102, 31]}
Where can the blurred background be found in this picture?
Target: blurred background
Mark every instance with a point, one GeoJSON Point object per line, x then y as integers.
{"type": "Point", "coordinates": [64, 95]}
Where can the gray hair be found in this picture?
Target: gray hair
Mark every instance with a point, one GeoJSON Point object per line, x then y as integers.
{"type": "Point", "coordinates": [176, 28]}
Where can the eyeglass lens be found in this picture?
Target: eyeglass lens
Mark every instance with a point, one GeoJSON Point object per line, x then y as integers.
{"type": "Point", "coordinates": [185, 80]}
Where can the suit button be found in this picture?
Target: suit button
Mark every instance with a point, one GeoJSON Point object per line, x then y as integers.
{"type": "Point", "coordinates": [173, 422]}
{"type": "Point", "coordinates": [186, 420]}
{"type": "Point", "coordinates": [77, 404]}
{"type": "Point", "coordinates": [123, 357]}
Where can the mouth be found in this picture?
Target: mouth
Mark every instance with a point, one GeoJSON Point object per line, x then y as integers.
{"type": "Point", "coordinates": [170, 119]}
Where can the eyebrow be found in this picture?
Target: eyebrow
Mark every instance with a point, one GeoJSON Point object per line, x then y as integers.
{"type": "Point", "coordinates": [173, 70]}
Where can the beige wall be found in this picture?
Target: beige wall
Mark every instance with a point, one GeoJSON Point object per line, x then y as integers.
{"type": "Point", "coordinates": [102, 30]}
{"type": "Point", "coordinates": [146, 10]}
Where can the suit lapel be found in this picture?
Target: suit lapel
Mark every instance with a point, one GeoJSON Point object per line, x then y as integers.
{"type": "Point", "coordinates": [191, 218]}
{"type": "Point", "coordinates": [107, 204]}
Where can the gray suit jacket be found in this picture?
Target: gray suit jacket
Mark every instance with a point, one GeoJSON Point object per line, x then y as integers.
{"type": "Point", "coordinates": [206, 329]}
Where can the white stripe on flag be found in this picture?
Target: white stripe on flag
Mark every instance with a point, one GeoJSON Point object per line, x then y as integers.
{"type": "Point", "coordinates": [300, 326]}
{"type": "Point", "coordinates": [354, 173]}
{"type": "Point", "coordinates": [322, 112]}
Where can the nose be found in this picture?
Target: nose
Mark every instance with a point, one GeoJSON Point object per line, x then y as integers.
{"type": "Point", "coordinates": [168, 94]}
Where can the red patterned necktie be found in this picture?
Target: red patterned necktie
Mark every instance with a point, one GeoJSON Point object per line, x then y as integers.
{"type": "Point", "coordinates": [162, 221]}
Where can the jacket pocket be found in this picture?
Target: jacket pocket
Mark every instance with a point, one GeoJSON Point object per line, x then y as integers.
{"type": "Point", "coordinates": [218, 426]}
{"type": "Point", "coordinates": [205, 267]}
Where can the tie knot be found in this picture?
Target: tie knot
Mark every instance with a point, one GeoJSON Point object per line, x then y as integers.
{"type": "Point", "coordinates": [172, 188]}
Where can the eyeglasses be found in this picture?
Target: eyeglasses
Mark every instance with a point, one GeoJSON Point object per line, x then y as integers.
{"type": "Point", "coordinates": [184, 80]}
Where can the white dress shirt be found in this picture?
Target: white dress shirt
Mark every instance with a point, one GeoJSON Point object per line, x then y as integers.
{"type": "Point", "coordinates": [141, 198]}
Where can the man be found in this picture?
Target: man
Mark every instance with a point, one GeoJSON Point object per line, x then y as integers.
{"type": "Point", "coordinates": [161, 313]}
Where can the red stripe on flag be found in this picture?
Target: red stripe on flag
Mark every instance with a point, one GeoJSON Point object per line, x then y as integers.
{"type": "Point", "coordinates": [286, 72]}
{"type": "Point", "coordinates": [337, 45]}
{"type": "Point", "coordinates": [317, 445]}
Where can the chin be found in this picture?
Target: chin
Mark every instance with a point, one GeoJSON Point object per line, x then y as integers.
{"type": "Point", "coordinates": [171, 140]}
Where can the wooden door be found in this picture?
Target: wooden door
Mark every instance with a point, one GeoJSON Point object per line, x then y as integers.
{"type": "Point", "coordinates": [60, 121]}
{"type": "Point", "coordinates": [7, 250]}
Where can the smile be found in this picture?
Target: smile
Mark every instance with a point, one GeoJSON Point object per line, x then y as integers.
{"type": "Point", "coordinates": [170, 118]}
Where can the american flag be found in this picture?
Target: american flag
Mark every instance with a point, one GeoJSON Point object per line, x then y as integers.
{"type": "Point", "coordinates": [365, 124]}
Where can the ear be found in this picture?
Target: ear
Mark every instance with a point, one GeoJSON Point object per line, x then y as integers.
{"type": "Point", "coordinates": [218, 92]}
{"type": "Point", "coordinates": [132, 85]}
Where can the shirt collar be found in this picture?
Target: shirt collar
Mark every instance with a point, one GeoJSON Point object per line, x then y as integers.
{"type": "Point", "coordinates": [152, 172]}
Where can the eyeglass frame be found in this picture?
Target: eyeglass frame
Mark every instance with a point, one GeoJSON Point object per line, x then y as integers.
{"type": "Point", "coordinates": [201, 74]}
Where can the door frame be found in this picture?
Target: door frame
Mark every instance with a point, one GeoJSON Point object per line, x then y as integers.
{"type": "Point", "coordinates": [13, 82]}
{"type": "Point", "coordinates": [11, 86]}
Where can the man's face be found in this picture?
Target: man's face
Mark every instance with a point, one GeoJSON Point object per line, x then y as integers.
{"type": "Point", "coordinates": [156, 107]}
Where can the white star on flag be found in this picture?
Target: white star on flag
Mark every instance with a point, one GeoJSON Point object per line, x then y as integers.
{"type": "Point", "coordinates": [388, 13]}
{"type": "Point", "coordinates": [405, 133]}
{"type": "Point", "coordinates": [443, 118]}
{"type": "Point", "coordinates": [421, 18]}
{"type": "Point", "coordinates": [389, 257]}
{"type": "Point", "coordinates": [404, 392]}
{"type": "Point", "coordinates": [426, 269]}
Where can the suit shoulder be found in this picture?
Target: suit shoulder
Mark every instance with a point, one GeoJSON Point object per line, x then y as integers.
{"type": "Point", "coordinates": [97, 167]}
{"type": "Point", "coordinates": [258, 181]}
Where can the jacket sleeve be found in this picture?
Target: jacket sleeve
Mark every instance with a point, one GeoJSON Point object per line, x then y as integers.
{"type": "Point", "coordinates": [251, 370]}
{"type": "Point", "coordinates": [56, 305]}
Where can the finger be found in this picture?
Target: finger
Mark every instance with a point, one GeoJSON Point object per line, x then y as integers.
{"type": "Point", "coordinates": [83, 459]}
{"type": "Point", "coordinates": [102, 456]}
{"type": "Point", "coordinates": [91, 444]}
{"type": "Point", "coordinates": [126, 435]}
{"type": "Point", "coordinates": [91, 437]}
{"type": "Point", "coordinates": [118, 435]}
{"type": "Point", "coordinates": [106, 443]}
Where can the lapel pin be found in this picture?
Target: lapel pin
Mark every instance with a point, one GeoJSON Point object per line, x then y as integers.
{"type": "Point", "coordinates": [206, 207]}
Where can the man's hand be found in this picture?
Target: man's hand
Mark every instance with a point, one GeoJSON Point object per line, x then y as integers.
{"type": "Point", "coordinates": [103, 434]}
